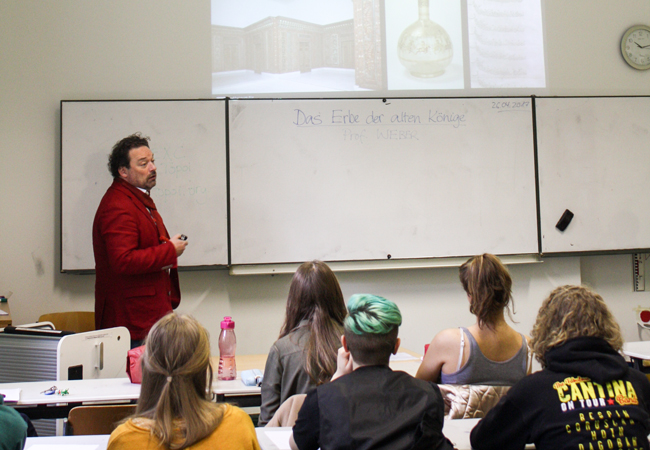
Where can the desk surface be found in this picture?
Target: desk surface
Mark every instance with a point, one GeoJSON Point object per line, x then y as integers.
{"type": "Point", "coordinates": [96, 390]}
{"type": "Point", "coordinates": [638, 349]}
{"type": "Point", "coordinates": [100, 442]}
{"type": "Point", "coordinates": [457, 431]}
{"type": "Point", "coordinates": [5, 319]}
{"type": "Point", "coordinates": [117, 390]}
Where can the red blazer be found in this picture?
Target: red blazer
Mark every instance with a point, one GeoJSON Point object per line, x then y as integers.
{"type": "Point", "coordinates": [134, 284]}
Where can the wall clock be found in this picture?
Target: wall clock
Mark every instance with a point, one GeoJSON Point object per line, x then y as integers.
{"type": "Point", "coordinates": [635, 47]}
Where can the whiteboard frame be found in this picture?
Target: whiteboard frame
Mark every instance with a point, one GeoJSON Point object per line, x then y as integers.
{"type": "Point", "coordinates": [575, 240]}
{"type": "Point", "coordinates": [218, 146]}
{"type": "Point", "coordinates": [534, 248]}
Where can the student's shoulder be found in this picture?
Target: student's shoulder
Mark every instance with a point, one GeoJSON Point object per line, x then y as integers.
{"type": "Point", "coordinates": [129, 435]}
{"type": "Point", "coordinates": [293, 342]}
{"type": "Point", "coordinates": [447, 338]}
{"type": "Point", "coordinates": [532, 383]}
{"type": "Point", "coordinates": [406, 379]}
{"type": "Point", "coordinates": [236, 431]}
{"type": "Point", "coordinates": [235, 414]}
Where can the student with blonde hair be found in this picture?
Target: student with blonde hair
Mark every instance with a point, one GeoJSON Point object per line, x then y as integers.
{"type": "Point", "coordinates": [586, 396]}
{"type": "Point", "coordinates": [489, 352]}
{"type": "Point", "coordinates": [175, 409]}
{"type": "Point", "coordinates": [304, 356]}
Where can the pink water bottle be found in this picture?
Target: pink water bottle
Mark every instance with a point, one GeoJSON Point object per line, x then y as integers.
{"type": "Point", "coordinates": [227, 346]}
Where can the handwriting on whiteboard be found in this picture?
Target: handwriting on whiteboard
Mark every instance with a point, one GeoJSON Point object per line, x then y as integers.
{"type": "Point", "coordinates": [341, 117]}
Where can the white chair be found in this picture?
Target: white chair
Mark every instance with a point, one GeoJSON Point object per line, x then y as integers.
{"type": "Point", "coordinates": [94, 354]}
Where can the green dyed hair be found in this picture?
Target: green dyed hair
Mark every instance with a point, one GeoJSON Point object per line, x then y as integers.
{"type": "Point", "coordinates": [371, 328]}
{"type": "Point", "coordinates": [371, 314]}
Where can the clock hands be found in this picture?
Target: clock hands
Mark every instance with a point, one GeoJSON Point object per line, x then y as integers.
{"type": "Point", "coordinates": [642, 46]}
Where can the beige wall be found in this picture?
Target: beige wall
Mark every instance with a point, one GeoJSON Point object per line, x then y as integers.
{"type": "Point", "coordinates": [52, 50]}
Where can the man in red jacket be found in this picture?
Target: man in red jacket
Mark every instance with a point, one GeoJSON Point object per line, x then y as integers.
{"type": "Point", "coordinates": [135, 259]}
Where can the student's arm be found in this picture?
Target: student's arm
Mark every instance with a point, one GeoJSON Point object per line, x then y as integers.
{"type": "Point", "coordinates": [292, 443]}
{"type": "Point", "coordinates": [444, 349]}
{"type": "Point", "coordinates": [503, 427]}
{"type": "Point", "coordinates": [306, 431]}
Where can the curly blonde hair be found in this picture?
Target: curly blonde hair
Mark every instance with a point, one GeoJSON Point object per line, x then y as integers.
{"type": "Point", "coordinates": [570, 312]}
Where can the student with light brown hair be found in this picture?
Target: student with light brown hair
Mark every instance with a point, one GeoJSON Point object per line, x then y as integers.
{"type": "Point", "coordinates": [304, 356]}
{"type": "Point", "coordinates": [175, 409]}
{"type": "Point", "coordinates": [586, 396]}
{"type": "Point", "coordinates": [489, 352]}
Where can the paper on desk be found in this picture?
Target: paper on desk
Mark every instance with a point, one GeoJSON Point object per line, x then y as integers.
{"type": "Point", "coordinates": [279, 437]}
{"type": "Point", "coordinates": [63, 447]}
{"type": "Point", "coordinates": [11, 395]}
{"type": "Point", "coordinates": [401, 356]}
{"type": "Point", "coordinates": [3, 313]}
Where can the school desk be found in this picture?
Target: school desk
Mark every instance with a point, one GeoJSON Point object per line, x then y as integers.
{"type": "Point", "coordinates": [37, 405]}
{"type": "Point", "coordinates": [638, 352]}
{"type": "Point", "coordinates": [95, 442]}
{"type": "Point", "coordinates": [457, 431]}
{"type": "Point", "coordinates": [5, 314]}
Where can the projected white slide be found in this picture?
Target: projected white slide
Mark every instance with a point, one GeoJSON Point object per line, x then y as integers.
{"type": "Point", "coordinates": [262, 47]}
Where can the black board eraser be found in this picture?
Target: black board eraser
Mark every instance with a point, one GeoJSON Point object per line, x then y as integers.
{"type": "Point", "coordinates": [565, 220]}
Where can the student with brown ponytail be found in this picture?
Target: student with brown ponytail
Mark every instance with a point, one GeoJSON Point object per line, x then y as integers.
{"type": "Point", "coordinates": [175, 410]}
{"type": "Point", "coordinates": [304, 356]}
{"type": "Point", "coordinates": [489, 352]}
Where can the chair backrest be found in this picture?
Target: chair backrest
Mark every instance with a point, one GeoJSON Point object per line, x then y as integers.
{"type": "Point", "coordinates": [77, 321]}
{"type": "Point", "coordinates": [93, 354]}
{"type": "Point", "coordinates": [97, 419]}
{"type": "Point", "coordinates": [287, 413]}
{"type": "Point", "coordinates": [470, 401]}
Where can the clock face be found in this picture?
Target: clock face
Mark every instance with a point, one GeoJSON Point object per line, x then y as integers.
{"type": "Point", "coordinates": [636, 47]}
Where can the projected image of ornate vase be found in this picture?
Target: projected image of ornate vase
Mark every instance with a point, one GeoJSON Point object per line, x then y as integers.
{"type": "Point", "coordinates": [425, 48]}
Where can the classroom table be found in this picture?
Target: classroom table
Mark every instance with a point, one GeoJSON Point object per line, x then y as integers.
{"type": "Point", "coordinates": [99, 441]}
{"type": "Point", "coordinates": [638, 351]}
{"type": "Point", "coordinates": [36, 405]}
{"type": "Point", "coordinates": [234, 391]}
{"type": "Point", "coordinates": [5, 319]}
{"type": "Point", "coordinates": [457, 431]}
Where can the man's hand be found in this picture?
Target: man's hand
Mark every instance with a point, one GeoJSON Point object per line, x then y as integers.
{"type": "Point", "coordinates": [179, 244]}
{"type": "Point", "coordinates": [343, 364]}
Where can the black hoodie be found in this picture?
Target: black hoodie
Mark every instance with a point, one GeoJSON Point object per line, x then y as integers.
{"type": "Point", "coordinates": [586, 398]}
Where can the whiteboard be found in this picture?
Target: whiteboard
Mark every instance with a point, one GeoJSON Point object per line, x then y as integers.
{"type": "Point", "coordinates": [367, 179]}
{"type": "Point", "coordinates": [188, 140]}
{"type": "Point", "coordinates": [594, 159]}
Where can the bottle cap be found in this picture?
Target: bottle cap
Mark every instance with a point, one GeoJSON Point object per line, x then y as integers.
{"type": "Point", "coordinates": [227, 323]}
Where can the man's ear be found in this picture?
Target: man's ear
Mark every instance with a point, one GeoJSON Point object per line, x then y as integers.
{"type": "Point", "coordinates": [344, 343]}
{"type": "Point", "coordinates": [397, 343]}
{"type": "Point", "coordinates": [123, 172]}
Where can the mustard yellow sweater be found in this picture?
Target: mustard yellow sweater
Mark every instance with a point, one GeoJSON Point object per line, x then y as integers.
{"type": "Point", "coordinates": [235, 432]}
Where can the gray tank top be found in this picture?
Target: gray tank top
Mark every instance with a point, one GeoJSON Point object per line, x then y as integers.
{"type": "Point", "coordinates": [480, 370]}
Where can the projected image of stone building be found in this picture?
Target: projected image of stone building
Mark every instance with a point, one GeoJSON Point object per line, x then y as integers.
{"type": "Point", "coordinates": [282, 45]}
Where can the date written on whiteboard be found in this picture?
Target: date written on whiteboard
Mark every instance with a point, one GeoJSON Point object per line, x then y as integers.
{"type": "Point", "coordinates": [340, 117]}
{"type": "Point", "coordinates": [510, 105]}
